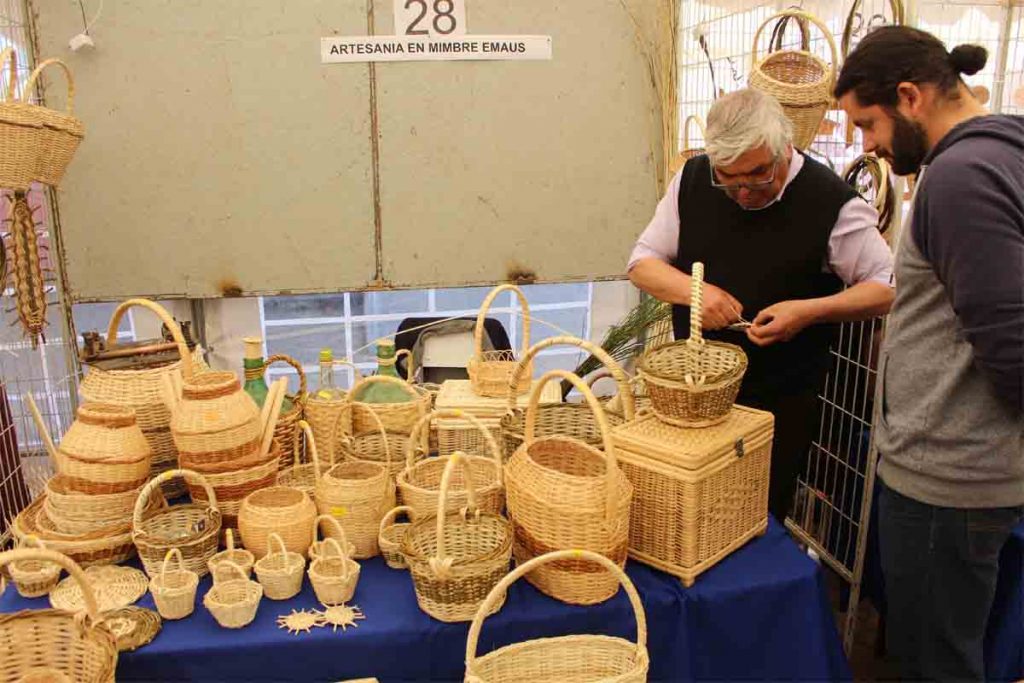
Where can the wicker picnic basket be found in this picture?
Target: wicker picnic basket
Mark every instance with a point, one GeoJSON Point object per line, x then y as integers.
{"type": "Point", "coordinates": [391, 533]}
{"type": "Point", "coordinates": [579, 658]}
{"type": "Point", "coordinates": [193, 528]}
{"type": "Point", "coordinates": [330, 418]}
{"type": "Point", "coordinates": [336, 532]}
{"type": "Point", "coordinates": [689, 149]}
{"type": "Point", "coordinates": [698, 494]}
{"type": "Point", "coordinates": [456, 558]}
{"type": "Point", "coordinates": [489, 371]}
{"type": "Point", "coordinates": [281, 510]}
{"type": "Point", "coordinates": [234, 597]}
{"type": "Point", "coordinates": [33, 578]}
{"type": "Point", "coordinates": [68, 646]}
{"type": "Point", "coordinates": [104, 451]}
{"type": "Point", "coordinates": [143, 390]}
{"type": "Point", "coordinates": [575, 420]}
{"type": "Point", "coordinates": [334, 574]}
{"type": "Point", "coordinates": [564, 493]}
{"type": "Point", "coordinates": [243, 558]}
{"type": "Point", "coordinates": [419, 484]}
{"type": "Point", "coordinates": [20, 129]}
{"type": "Point", "coordinates": [174, 590]}
{"type": "Point", "coordinates": [61, 133]}
{"type": "Point", "coordinates": [397, 418]}
{"type": "Point", "coordinates": [801, 81]}
{"type": "Point", "coordinates": [287, 430]}
{"type": "Point", "coordinates": [280, 570]}
{"type": "Point", "coordinates": [693, 382]}
{"type": "Point", "coordinates": [104, 545]}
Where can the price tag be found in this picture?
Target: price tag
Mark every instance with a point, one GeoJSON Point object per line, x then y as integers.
{"type": "Point", "coordinates": [430, 17]}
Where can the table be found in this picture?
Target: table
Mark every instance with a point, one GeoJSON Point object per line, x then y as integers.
{"type": "Point", "coordinates": [763, 613]}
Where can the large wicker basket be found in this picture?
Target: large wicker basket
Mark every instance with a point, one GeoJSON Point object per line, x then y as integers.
{"type": "Point", "coordinates": [20, 129]}
{"type": "Point", "coordinates": [63, 643]}
{"type": "Point", "coordinates": [489, 371]}
{"type": "Point", "coordinates": [694, 382]}
{"type": "Point", "coordinates": [104, 451]}
{"type": "Point", "coordinates": [456, 558]}
{"type": "Point", "coordinates": [104, 545]}
{"type": "Point", "coordinates": [574, 420]}
{"type": "Point", "coordinates": [193, 528]}
{"type": "Point", "coordinates": [801, 81]}
{"type": "Point", "coordinates": [590, 658]}
{"type": "Point", "coordinates": [563, 493]}
{"type": "Point", "coordinates": [215, 422]}
{"type": "Point", "coordinates": [61, 133]}
{"type": "Point", "coordinates": [74, 512]}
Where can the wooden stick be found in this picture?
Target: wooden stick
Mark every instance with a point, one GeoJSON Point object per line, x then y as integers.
{"type": "Point", "coordinates": [276, 397]}
{"type": "Point", "coordinates": [43, 431]}
{"type": "Point", "coordinates": [265, 412]}
{"type": "Point", "coordinates": [170, 395]}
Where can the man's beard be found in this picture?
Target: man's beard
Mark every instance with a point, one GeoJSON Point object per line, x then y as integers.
{"type": "Point", "coordinates": [909, 145]}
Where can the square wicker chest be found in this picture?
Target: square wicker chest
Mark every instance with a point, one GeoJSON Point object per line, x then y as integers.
{"type": "Point", "coordinates": [699, 494]}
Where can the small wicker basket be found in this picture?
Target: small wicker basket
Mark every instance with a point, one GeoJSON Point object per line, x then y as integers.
{"type": "Point", "coordinates": [280, 571]}
{"type": "Point", "coordinates": [233, 601]}
{"type": "Point", "coordinates": [282, 510]}
{"type": "Point", "coordinates": [489, 371]}
{"type": "Point", "coordinates": [174, 590]}
{"type": "Point", "coordinates": [337, 532]}
{"type": "Point", "coordinates": [694, 382]}
{"type": "Point", "coordinates": [334, 574]}
{"type": "Point", "coordinates": [33, 578]}
{"type": "Point", "coordinates": [391, 534]}
{"type": "Point", "coordinates": [242, 557]}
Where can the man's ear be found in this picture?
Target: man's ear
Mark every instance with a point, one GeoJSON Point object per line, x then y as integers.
{"type": "Point", "coordinates": [911, 99]}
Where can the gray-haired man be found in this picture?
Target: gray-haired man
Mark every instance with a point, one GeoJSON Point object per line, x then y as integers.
{"type": "Point", "coordinates": [780, 234]}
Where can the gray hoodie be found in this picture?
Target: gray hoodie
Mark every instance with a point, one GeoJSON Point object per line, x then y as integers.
{"type": "Point", "coordinates": [951, 425]}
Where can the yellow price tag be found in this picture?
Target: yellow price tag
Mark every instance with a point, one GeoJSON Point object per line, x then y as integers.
{"type": "Point", "coordinates": [578, 553]}
{"type": "Point", "coordinates": [339, 511]}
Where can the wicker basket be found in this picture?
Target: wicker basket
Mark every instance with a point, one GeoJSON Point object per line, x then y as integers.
{"type": "Point", "coordinates": [574, 420]}
{"type": "Point", "coordinates": [390, 536]}
{"type": "Point", "coordinates": [193, 528]}
{"type": "Point", "coordinates": [334, 574]}
{"type": "Point", "coordinates": [61, 133]}
{"type": "Point", "coordinates": [801, 81]}
{"type": "Point", "coordinates": [456, 558]}
{"type": "Point", "coordinates": [240, 557]}
{"type": "Point", "coordinates": [397, 418]}
{"type": "Point", "coordinates": [689, 150]}
{"type": "Point", "coordinates": [73, 647]}
{"type": "Point", "coordinates": [287, 430]}
{"type": "Point", "coordinates": [699, 494]}
{"type": "Point", "coordinates": [143, 390]}
{"type": "Point", "coordinates": [174, 590]}
{"type": "Point", "coordinates": [33, 578]}
{"type": "Point", "coordinates": [104, 451]}
{"type": "Point", "coordinates": [79, 513]}
{"type": "Point", "coordinates": [336, 532]}
{"type": "Point", "coordinates": [489, 371]}
{"type": "Point", "coordinates": [563, 493]}
{"type": "Point", "coordinates": [105, 545]}
{"type": "Point", "coordinates": [419, 484]}
{"type": "Point", "coordinates": [330, 419]}
{"type": "Point", "coordinates": [281, 510]}
{"type": "Point", "coordinates": [280, 571]}
{"type": "Point", "coordinates": [380, 447]}
{"type": "Point", "coordinates": [234, 598]}
{"type": "Point", "coordinates": [565, 658]}
{"type": "Point", "coordinates": [302, 475]}
{"type": "Point", "coordinates": [694, 383]}
{"type": "Point", "coordinates": [215, 421]}
{"type": "Point", "coordinates": [21, 129]}
{"type": "Point", "coordinates": [233, 485]}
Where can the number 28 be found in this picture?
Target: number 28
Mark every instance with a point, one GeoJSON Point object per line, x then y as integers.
{"type": "Point", "coordinates": [444, 17]}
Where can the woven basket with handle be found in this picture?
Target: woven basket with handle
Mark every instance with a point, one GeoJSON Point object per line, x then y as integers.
{"type": "Point", "coordinates": [334, 574]}
{"type": "Point", "coordinates": [564, 658]}
{"type": "Point", "coordinates": [694, 382]}
{"type": "Point", "coordinates": [330, 418]}
{"type": "Point", "coordinates": [287, 431]}
{"type": "Point", "coordinates": [20, 129]}
{"type": "Point", "coordinates": [334, 530]}
{"type": "Point", "coordinates": [242, 557]}
{"type": "Point", "coordinates": [33, 578]}
{"type": "Point", "coordinates": [801, 81]}
{"type": "Point", "coordinates": [489, 371]}
{"type": "Point", "coordinates": [690, 149]}
{"type": "Point", "coordinates": [61, 131]}
{"type": "Point", "coordinates": [174, 590]}
{"type": "Point", "coordinates": [280, 570]}
{"type": "Point", "coordinates": [391, 534]}
{"type": "Point", "coordinates": [234, 598]}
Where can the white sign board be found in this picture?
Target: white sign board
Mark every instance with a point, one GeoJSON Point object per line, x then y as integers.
{"type": "Point", "coordinates": [409, 49]}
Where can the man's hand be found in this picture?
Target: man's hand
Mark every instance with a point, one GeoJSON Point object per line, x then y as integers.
{"type": "Point", "coordinates": [780, 322]}
{"type": "Point", "coordinates": [720, 308]}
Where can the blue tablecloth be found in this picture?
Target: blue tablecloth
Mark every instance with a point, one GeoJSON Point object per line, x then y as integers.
{"type": "Point", "coordinates": [761, 614]}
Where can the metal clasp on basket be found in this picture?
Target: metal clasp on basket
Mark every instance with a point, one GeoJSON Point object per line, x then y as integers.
{"type": "Point", "coordinates": [740, 450]}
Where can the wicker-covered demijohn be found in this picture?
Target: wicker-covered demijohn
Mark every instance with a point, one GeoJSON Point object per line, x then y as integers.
{"type": "Point", "coordinates": [489, 371]}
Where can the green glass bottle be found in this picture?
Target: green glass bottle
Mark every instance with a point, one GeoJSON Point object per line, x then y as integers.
{"type": "Point", "coordinates": [380, 392]}
{"type": "Point", "coordinates": [255, 368]}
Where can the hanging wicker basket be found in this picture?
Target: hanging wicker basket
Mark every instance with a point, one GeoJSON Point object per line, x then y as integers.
{"type": "Point", "coordinates": [234, 598]}
{"type": "Point", "coordinates": [801, 81]}
{"type": "Point", "coordinates": [174, 590]}
{"type": "Point", "coordinates": [61, 132]}
{"type": "Point", "coordinates": [334, 574]}
{"type": "Point", "coordinates": [565, 658]}
{"type": "Point", "coordinates": [20, 129]}
{"type": "Point", "coordinates": [280, 570]}
{"type": "Point", "coordinates": [489, 371]}
{"type": "Point", "coordinates": [694, 382]}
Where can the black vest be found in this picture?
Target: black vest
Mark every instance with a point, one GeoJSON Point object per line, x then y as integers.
{"type": "Point", "coordinates": [761, 258]}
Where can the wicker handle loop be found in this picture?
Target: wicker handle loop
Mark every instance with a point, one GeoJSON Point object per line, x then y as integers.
{"type": "Point", "coordinates": [332, 520]}
{"type": "Point", "coordinates": [165, 318]}
{"type": "Point", "coordinates": [697, 121]}
{"type": "Point", "coordinates": [618, 374]}
{"type": "Point", "coordinates": [143, 500]}
{"type": "Point", "coordinates": [311, 447]}
{"type": "Point", "coordinates": [805, 16]}
{"type": "Point", "coordinates": [31, 541]}
{"type": "Point", "coordinates": [419, 436]}
{"type": "Point", "coordinates": [499, 589]}
{"type": "Point", "coordinates": [30, 84]}
{"type": "Point", "coordinates": [409, 369]}
{"type": "Point", "coordinates": [779, 34]}
{"type": "Point", "coordinates": [485, 307]}
{"type": "Point", "coordinates": [223, 565]}
{"type": "Point", "coordinates": [441, 563]}
{"type": "Point", "coordinates": [611, 463]}
{"type": "Point", "coordinates": [9, 55]}
{"type": "Point", "coordinates": [303, 386]}
{"type": "Point", "coordinates": [173, 553]}
{"type": "Point", "coordinates": [421, 428]}
{"type": "Point", "coordinates": [697, 304]}
{"type": "Point", "coordinates": [275, 539]}
{"type": "Point", "coordinates": [383, 432]}
{"type": "Point", "coordinates": [898, 18]}
{"type": "Point", "coordinates": [229, 539]}
{"type": "Point", "coordinates": [69, 565]}
{"type": "Point", "coordinates": [389, 519]}
{"type": "Point", "coordinates": [329, 544]}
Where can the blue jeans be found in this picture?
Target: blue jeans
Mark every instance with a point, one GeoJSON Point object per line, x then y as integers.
{"type": "Point", "coordinates": [940, 566]}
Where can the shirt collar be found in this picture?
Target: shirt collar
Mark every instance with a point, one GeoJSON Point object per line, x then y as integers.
{"type": "Point", "coordinates": [796, 162]}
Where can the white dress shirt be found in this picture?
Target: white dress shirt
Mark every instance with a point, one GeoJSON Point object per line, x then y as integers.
{"type": "Point", "coordinates": [856, 250]}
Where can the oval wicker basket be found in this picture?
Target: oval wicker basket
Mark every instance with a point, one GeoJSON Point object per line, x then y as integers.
{"type": "Point", "coordinates": [105, 545]}
{"type": "Point", "coordinates": [282, 510]}
{"type": "Point", "coordinates": [489, 371]}
{"type": "Point", "coordinates": [33, 578]}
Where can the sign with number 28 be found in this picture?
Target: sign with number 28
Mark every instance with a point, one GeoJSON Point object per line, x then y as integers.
{"type": "Point", "coordinates": [430, 17]}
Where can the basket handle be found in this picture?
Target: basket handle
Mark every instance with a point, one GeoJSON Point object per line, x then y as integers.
{"type": "Point", "coordinates": [332, 543]}
{"type": "Point", "coordinates": [485, 307]}
{"type": "Point", "coordinates": [333, 520]}
{"type": "Point", "coordinates": [31, 541]}
{"type": "Point", "coordinates": [271, 539]}
{"type": "Point", "coordinates": [611, 463]}
{"type": "Point", "coordinates": [303, 386]}
{"type": "Point", "coordinates": [30, 84]}
{"type": "Point", "coordinates": [69, 565]}
{"type": "Point", "coordinates": [419, 436]}
{"type": "Point", "coordinates": [8, 54]}
{"type": "Point", "coordinates": [696, 304]}
{"type": "Point", "coordinates": [380, 379]}
{"type": "Point", "coordinates": [805, 16]}
{"type": "Point", "coordinates": [229, 565]}
{"type": "Point", "coordinates": [502, 586]}
{"type": "Point", "coordinates": [172, 553]}
{"type": "Point", "coordinates": [618, 374]}
{"type": "Point", "coordinates": [779, 34]}
{"type": "Point", "coordinates": [143, 500]}
{"type": "Point", "coordinates": [311, 447]}
{"type": "Point", "coordinates": [229, 539]}
{"type": "Point", "coordinates": [382, 430]}
{"type": "Point", "coordinates": [389, 519]}
{"type": "Point", "coordinates": [699, 122]}
{"type": "Point", "coordinates": [165, 317]}
{"type": "Point", "coordinates": [898, 14]}
{"type": "Point", "coordinates": [441, 563]}
{"type": "Point", "coordinates": [409, 369]}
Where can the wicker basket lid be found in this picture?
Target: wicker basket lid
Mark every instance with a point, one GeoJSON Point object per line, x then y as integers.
{"type": "Point", "coordinates": [457, 393]}
{"type": "Point", "coordinates": [693, 449]}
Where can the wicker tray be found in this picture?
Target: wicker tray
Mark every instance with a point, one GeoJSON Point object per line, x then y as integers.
{"type": "Point", "coordinates": [115, 587]}
{"type": "Point", "coordinates": [133, 627]}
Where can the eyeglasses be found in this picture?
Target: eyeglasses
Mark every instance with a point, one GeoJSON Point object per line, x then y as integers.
{"type": "Point", "coordinates": [736, 187]}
